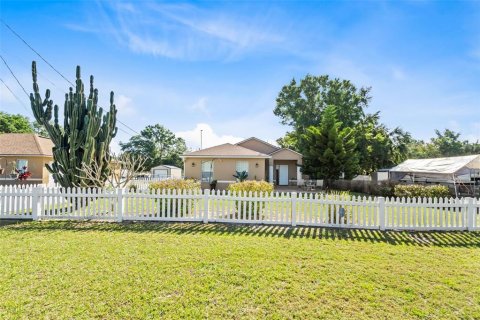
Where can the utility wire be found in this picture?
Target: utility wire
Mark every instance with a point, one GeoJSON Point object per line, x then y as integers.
{"type": "Point", "coordinates": [51, 66]}
{"type": "Point", "coordinates": [16, 97]}
{"type": "Point", "coordinates": [38, 54]}
{"type": "Point", "coordinates": [5, 62]}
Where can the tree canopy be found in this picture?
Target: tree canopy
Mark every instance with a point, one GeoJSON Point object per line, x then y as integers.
{"type": "Point", "coordinates": [158, 145]}
{"type": "Point", "coordinates": [329, 151]}
{"type": "Point", "coordinates": [14, 123]}
{"type": "Point", "coordinates": [302, 105]}
{"type": "Point", "coordinates": [443, 144]}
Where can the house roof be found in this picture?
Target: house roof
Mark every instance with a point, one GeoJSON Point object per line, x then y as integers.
{"type": "Point", "coordinates": [259, 140]}
{"type": "Point", "coordinates": [25, 144]}
{"type": "Point", "coordinates": [450, 165]}
{"type": "Point", "coordinates": [226, 150]}
{"type": "Point", "coordinates": [165, 166]}
{"type": "Point", "coordinates": [285, 149]}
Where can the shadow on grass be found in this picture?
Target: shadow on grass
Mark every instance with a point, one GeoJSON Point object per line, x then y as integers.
{"type": "Point", "coordinates": [423, 239]}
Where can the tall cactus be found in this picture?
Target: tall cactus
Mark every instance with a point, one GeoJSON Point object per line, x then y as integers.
{"type": "Point", "coordinates": [85, 136]}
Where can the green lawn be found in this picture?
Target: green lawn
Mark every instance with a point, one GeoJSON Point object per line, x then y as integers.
{"type": "Point", "coordinates": [66, 270]}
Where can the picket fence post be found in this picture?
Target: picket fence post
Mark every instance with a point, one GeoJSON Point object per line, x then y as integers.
{"type": "Point", "coordinates": [381, 212]}
{"type": "Point", "coordinates": [36, 207]}
{"type": "Point", "coordinates": [293, 196]}
{"type": "Point", "coordinates": [119, 212]}
{"type": "Point", "coordinates": [206, 200]}
{"type": "Point", "coordinates": [470, 213]}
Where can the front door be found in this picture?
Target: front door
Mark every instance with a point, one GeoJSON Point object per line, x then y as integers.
{"type": "Point", "coordinates": [283, 175]}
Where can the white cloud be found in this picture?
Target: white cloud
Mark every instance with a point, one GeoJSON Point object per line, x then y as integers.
{"type": "Point", "coordinates": [201, 106]}
{"type": "Point", "coordinates": [181, 31]}
{"type": "Point", "coordinates": [209, 137]}
{"type": "Point", "coordinates": [398, 73]}
{"type": "Point", "coordinates": [124, 105]}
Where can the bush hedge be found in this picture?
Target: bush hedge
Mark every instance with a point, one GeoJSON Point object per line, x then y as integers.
{"type": "Point", "coordinates": [251, 185]}
{"type": "Point", "coordinates": [254, 186]}
{"type": "Point", "coordinates": [175, 184]}
{"type": "Point", "coordinates": [415, 190]}
{"type": "Point", "coordinates": [179, 185]}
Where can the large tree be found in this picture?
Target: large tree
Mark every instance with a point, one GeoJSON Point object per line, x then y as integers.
{"type": "Point", "coordinates": [302, 105]}
{"type": "Point", "coordinates": [14, 123]}
{"type": "Point", "coordinates": [328, 149]}
{"type": "Point", "coordinates": [377, 146]}
{"type": "Point", "coordinates": [444, 144]}
{"type": "Point", "coordinates": [158, 145]}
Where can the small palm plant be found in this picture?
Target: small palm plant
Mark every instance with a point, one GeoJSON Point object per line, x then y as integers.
{"type": "Point", "coordinates": [241, 176]}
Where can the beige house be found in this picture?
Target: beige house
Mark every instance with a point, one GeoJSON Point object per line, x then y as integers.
{"type": "Point", "coordinates": [18, 150]}
{"type": "Point", "coordinates": [262, 161]}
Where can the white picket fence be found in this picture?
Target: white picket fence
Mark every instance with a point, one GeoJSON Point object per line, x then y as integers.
{"type": "Point", "coordinates": [295, 209]}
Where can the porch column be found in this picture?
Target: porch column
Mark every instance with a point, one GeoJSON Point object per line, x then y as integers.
{"type": "Point", "coordinates": [270, 173]}
{"type": "Point", "coordinates": [299, 177]}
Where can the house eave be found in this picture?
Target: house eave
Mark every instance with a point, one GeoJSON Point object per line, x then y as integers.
{"type": "Point", "coordinates": [224, 157]}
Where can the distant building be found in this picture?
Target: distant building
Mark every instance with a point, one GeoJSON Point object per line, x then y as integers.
{"type": "Point", "coordinates": [165, 172]}
{"type": "Point", "coordinates": [18, 150]}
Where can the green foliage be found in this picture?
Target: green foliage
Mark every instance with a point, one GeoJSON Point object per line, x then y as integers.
{"type": "Point", "coordinates": [251, 185]}
{"type": "Point", "coordinates": [289, 141]}
{"type": "Point", "coordinates": [444, 144]}
{"type": "Point", "coordinates": [303, 105]}
{"type": "Point", "coordinates": [222, 271]}
{"type": "Point", "coordinates": [175, 184]}
{"type": "Point", "coordinates": [377, 146]}
{"type": "Point", "coordinates": [244, 188]}
{"type": "Point", "coordinates": [328, 149]}
{"type": "Point", "coordinates": [241, 176]}
{"type": "Point", "coordinates": [14, 123]}
{"type": "Point", "coordinates": [415, 190]}
{"type": "Point", "coordinates": [39, 129]}
{"type": "Point", "coordinates": [158, 145]}
{"type": "Point", "coordinates": [179, 185]}
{"type": "Point", "coordinates": [85, 136]}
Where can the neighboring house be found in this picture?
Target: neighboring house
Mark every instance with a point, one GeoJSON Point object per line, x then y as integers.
{"type": "Point", "coordinates": [166, 171]}
{"type": "Point", "coordinates": [262, 161]}
{"type": "Point", "coordinates": [18, 150]}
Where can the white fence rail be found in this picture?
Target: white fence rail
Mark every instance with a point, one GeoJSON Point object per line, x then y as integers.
{"type": "Point", "coordinates": [295, 209]}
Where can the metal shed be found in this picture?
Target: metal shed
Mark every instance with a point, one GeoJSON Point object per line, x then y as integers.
{"type": "Point", "coordinates": [463, 173]}
{"type": "Point", "coordinates": [166, 172]}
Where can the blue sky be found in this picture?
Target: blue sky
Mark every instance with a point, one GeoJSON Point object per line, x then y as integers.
{"type": "Point", "coordinates": [218, 66]}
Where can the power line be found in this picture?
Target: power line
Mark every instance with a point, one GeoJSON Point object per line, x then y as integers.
{"type": "Point", "coordinates": [127, 126]}
{"type": "Point", "coordinates": [16, 97]}
{"type": "Point", "coordinates": [38, 54]}
{"type": "Point", "coordinates": [48, 63]}
{"type": "Point", "coordinates": [5, 62]}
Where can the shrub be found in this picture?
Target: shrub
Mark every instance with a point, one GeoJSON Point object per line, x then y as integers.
{"type": "Point", "coordinates": [415, 190]}
{"type": "Point", "coordinates": [251, 185]}
{"type": "Point", "coordinates": [175, 184]}
{"type": "Point", "coordinates": [241, 176]}
{"type": "Point", "coordinates": [254, 186]}
{"type": "Point", "coordinates": [383, 189]}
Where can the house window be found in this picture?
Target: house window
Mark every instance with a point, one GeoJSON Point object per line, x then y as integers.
{"type": "Point", "coordinates": [207, 171]}
{"type": "Point", "coordinates": [21, 163]}
{"type": "Point", "coordinates": [242, 166]}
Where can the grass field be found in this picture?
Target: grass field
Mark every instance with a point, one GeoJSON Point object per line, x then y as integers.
{"type": "Point", "coordinates": [65, 270]}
